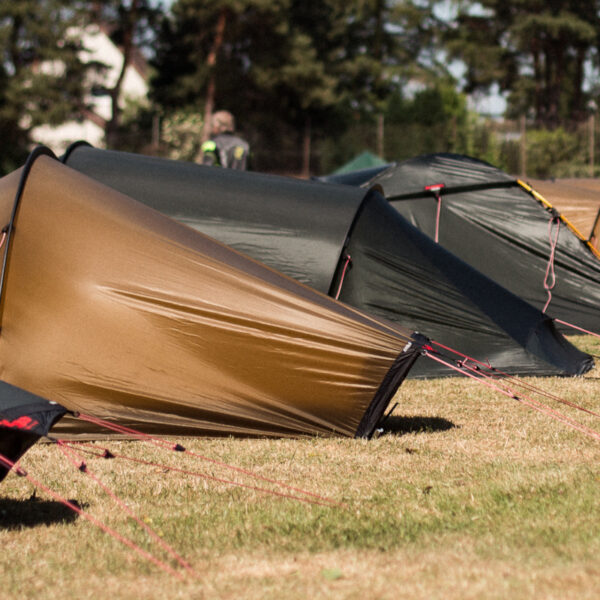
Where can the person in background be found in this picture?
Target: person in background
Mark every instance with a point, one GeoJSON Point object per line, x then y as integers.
{"type": "Point", "coordinates": [225, 148]}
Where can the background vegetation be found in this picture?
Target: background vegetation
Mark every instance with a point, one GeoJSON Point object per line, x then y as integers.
{"type": "Point", "coordinates": [315, 82]}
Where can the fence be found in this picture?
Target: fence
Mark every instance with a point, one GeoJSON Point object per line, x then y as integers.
{"type": "Point", "coordinates": [517, 147]}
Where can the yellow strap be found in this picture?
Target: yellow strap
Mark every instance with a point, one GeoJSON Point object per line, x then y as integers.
{"type": "Point", "coordinates": [566, 221]}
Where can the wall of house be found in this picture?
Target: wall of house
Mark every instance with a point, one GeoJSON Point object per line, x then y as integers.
{"type": "Point", "coordinates": [98, 48]}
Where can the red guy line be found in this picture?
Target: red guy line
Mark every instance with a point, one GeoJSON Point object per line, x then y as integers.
{"type": "Point", "coordinates": [115, 534]}
{"type": "Point", "coordinates": [177, 447]}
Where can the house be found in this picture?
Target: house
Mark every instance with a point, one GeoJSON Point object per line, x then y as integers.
{"type": "Point", "coordinates": [98, 48]}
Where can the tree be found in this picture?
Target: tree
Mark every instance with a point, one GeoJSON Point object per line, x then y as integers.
{"type": "Point", "coordinates": [40, 72]}
{"type": "Point", "coordinates": [242, 55]}
{"type": "Point", "coordinates": [368, 49]}
{"type": "Point", "coordinates": [536, 50]}
{"type": "Point", "coordinates": [288, 65]}
{"type": "Point", "coordinates": [131, 27]}
{"type": "Point", "coordinates": [196, 42]}
{"type": "Point", "coordinates": [434, 119]}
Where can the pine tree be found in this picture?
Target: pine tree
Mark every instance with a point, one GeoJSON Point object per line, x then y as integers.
{"type": "Point", "coordinates": [285, 66]}
{"type": "Point", "coordinates": [40, 72]}
{"type": "Point", "coordinates": [131, 27]}
{"type": "Point", "coordinates": [535, 50]}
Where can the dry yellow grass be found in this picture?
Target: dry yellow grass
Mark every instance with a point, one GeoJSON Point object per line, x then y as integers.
{"type": "Point", "coordinates": [469, 495]}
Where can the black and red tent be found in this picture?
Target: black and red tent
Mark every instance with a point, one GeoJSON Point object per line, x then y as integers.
{"type": "Point", "coordinates": [24, 419]}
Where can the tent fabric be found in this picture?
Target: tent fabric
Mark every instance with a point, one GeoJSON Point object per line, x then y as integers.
{"type": "Point", "coordinates": [399, 271]}
{"type": "Point", "coordinates": [24, 418]}
{"type": "Point", "coordinates": [237, 208]}
{"type": "Point", "coordinates": [395, 271]}
{"type": "Point", "coordinates": [355, 178]}
{"type": "Point", "coordinates": [364, 160]}
{"type": "Point", "coordinates": [112, 309]}
{"type": "Point", "coordinates": [493, 223]}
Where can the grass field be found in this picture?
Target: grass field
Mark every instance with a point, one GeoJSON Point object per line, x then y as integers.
{"type": "Point", "coordinates": [470, 495]}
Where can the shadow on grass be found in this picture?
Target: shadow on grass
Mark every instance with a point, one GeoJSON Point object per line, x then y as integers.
{"type": "Point", "coordinates": [403, 425]}
{"type": "Point", "coordinates": [19, 514]}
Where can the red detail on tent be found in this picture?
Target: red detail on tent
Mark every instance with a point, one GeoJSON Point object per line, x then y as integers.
{"type": "Point", "coordinates": [23, 422]}
{"type": "Point", "coordinates": [347, 263]}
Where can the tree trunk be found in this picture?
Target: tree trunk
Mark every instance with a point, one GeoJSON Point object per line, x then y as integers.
{"type": "Point", "coordinates": [112, 126]}
{"type": "Point", "coordinates": [380, 136]}
{"type": "Point", "coordinates": [537, 75]}
{"type": "Point", "coordinates": [306, 148]}
{"type": "Point", "coordinates": [523, 146]}
{"type": "Point", "coordinates": [557, 80]}
{"type": "Point", "coordinates": [577, 107]}
{"type": "Point", "coordinates": [211, 62]}
{"type": "Point", "coordinates": [592, 141]}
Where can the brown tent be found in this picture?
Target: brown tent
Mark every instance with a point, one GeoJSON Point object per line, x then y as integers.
{"type": "Point", "coordinates": [113, 309]}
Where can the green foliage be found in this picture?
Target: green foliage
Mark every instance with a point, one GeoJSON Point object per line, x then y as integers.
{"type": "Point", "coordinates": [181, 134]}
{"type": "Point", "coordinates": [440, 103]}
{"type": "Point", "coordinates": [322, 72]}
{"type": "Point", "coordinates": [40, 70]}
{"type": "Point", "coordinates": [137, 130]}
{"type": "Point", "coordinates": [130, 25]}
{"type": "Point", "coordinates": [312, 64]}
{"type": "Point", "coordinates": [435, 119]}
{"type": "Point", "coordinates": [550, 151]}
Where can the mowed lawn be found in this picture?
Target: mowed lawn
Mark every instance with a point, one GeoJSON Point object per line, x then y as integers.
{"type": "Point", "coordinates": [470, 495]}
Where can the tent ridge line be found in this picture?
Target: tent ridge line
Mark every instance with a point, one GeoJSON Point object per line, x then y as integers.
{"type": "Point", "coordinates": [425, 193]}
{"type": "Point", "coordinates": [63, 159]}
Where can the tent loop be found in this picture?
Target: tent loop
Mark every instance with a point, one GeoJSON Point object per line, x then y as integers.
{"type": "Point", "coordinates": [436, 190]}
{"type": "Point", "coordinates": [550, 276]}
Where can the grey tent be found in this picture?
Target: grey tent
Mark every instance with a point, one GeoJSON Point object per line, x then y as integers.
{"type": "Point", "coordinates": [500, 226]}
{"type": "Point", "coordinates": [351, 244]}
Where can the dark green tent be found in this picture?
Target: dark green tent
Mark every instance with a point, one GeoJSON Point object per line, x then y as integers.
{"type": "Point", "coordinates": [351, 244]}
{"type": "Point", "coordinates": [500, 226]}
{"type": "Point", "coordinates": [365, 160]}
